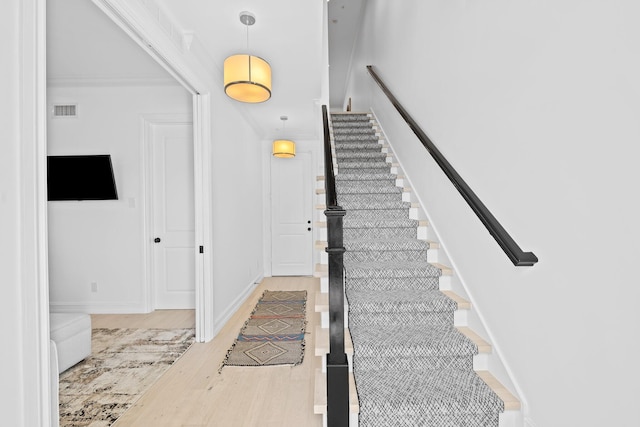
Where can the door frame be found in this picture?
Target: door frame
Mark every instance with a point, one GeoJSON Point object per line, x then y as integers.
{"type": "Point", "coordinates": [306, 145]}
{"type": "Point", "coordinates": [148, 123]}
{"type": "Point", "coordinates": [310, 181]}
{"type": "Point", "coordinates": [36, 370]}
{"type": "Point", "coordinates": [33, 113]}
{"type": "Point", "coordinates": [147, 31]}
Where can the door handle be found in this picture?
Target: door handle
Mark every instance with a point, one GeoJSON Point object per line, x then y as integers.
{"type": "Point", "coordinates": [157, 240]}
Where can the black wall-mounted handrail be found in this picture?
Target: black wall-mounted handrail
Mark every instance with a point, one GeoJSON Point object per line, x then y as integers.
{"type": "Point", "coordinates": [337, 364]}
{"type": "Point", "coordinates": [506, 242]}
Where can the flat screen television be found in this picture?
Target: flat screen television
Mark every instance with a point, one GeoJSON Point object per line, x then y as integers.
{"type": "Point", "coordinates": [80, 178]}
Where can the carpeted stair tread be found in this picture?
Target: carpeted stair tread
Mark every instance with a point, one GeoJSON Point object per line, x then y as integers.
{"type": "Point", "coordinates": [443, 392]}
{"type": "Point", "coordinates": [385, 250]}
{"type": "Point", "coordinates": [345, 148]}
{"type": "Point", "coordinates": [361, 156]}
{"type": "Point", "coordinates": [386, 245]}
{"type": "Point", "coordinates": [380, 176]}
{"type": "Point", "coordinates": [363, 130]}
{"type": "Point", "coordinates": [377, 165]}
{"type": "Point", "coordinates": [410, 341]}
{"type": "Point", "coordinates": [373, 205]}
{"type": "Point", "coordinates": [367, 187]}
{"type": "Point", "coordinates": [359, 146]}
{"type": "Point", "coordinates": [351, 125]}
{"type": "Point", "coordinates": [363, 201]}
{"type": "Point", "coordinates": [343, 137]}
{"type": "Point", "coordinates": [355, 117]}
{"type": "Point", "coordinates": [396, 269]}
{"type": "Point", "coordinates": [355, 228]}
{"type": "Point", "coordinates": [403, 300]}
{"type": "Point", "coordinates": [381, 223]}
{"type": "Point", "coordinates": [373, 283]}
{"type": "Point", "coordinates": [379, 214]}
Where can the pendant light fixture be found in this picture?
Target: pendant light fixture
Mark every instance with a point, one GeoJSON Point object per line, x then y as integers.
{"type": "Point", "coordinates": [247, 78]}
{"type": "Point", "coordinates": [284, 148]}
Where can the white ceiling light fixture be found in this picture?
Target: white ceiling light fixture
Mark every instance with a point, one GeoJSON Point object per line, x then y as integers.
{"type": "Point", "coordinates": [247, 78]}
{"type": "Point", "coordinates": [284, 148]}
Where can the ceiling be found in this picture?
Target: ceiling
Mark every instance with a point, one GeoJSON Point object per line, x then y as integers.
{"type": "Point", "coordinates": [85, 48]}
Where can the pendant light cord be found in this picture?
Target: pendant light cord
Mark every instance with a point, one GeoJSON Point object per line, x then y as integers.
{"type": "Point", "coordinates": [247, 25]}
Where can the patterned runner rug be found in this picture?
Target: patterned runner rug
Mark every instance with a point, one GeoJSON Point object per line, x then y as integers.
{"type": "Point", "coordinates": [123, 364]}
{"type": "Point", "coordinates": [274, 333]}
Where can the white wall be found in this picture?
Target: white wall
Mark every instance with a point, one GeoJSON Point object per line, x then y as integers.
{"type": "Point", "coordinates": [237, 206]}
{"type": "Point", "coordinates": [101, 241]}
{"type": "Point", "coordinates": [536, 104]}
{"type": "Point", "coordinates": [10, 356]}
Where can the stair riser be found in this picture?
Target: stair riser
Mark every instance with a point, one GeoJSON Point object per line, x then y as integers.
{"type": "Point", "coordinates": [374, 168]}
{"type": "Point", "coordinates": [392, 283]}
{"type": "Point", "coordinates": [413, 364]}
{"type": "Point", "coordinates": [364, 123]}
{"type": "Point", "coordinates": [359, 224]}
{"type": "Point", "coordinates": [367, 419]}
{"type": "Point", "coordinates": [367, 147]}
{"type": "Point", "coordinates": [366, 191]}
{"type": "Point", "coordinates": [364, 167]}
{"type": "Point", "coordinates": [356, 137]}
{"type": "Point", "coordinates": [364, 177]}
{"type": "Point", "coordinates": [386, 245]}
{"type": "Point", "coordinates": [380, 233]}
{"type": "Point", "coordinates": [353, 130]}
{"type": "Point", "coordinates": [364, 199]}
{"type": "Point", "coordinates": [361, 157]}
{"type": "Point", "coordinates": [367, 187]}
{"type": "Point", "coordinates": [357, 118]}
{"type": "Point", "coordinates": [401, 255]}
{"type": "Point", "coordinates": [348, 147]}
{"type": "Point", "coordinates": [382, 318]}
{"type": "Point", "coordinates": [378, 214]}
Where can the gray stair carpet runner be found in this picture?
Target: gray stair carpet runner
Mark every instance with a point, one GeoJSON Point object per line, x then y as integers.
{"type": "Point", "coordinates": [412, 366]}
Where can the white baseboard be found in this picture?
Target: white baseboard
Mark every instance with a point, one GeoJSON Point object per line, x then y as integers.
{"type": "Point", "coordinates": [97, 307]}
{"type": "Point", "coordinates": [224, 317]}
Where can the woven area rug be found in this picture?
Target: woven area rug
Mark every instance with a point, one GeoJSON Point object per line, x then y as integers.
{"type": "Point", "coordinates": [123, 364]}
{"type": "Point", "coordinates": [274, 333]}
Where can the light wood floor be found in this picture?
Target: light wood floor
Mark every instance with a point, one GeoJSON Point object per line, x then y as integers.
{"type": "Point", "coordinates": [192, 392]}
{"type": "Point", "coordinates": [159, 319]}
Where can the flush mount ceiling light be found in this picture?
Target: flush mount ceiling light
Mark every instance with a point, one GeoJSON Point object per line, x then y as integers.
{"type": "Point", "coordinates": [247, 78]}
{"type": "Point", "coordinates": [284, 148]}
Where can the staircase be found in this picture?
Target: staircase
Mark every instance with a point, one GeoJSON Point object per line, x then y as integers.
{"type": "Point", "coordinates": [412, 358]}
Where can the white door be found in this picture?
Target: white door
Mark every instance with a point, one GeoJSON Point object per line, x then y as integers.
{"type": "Point", "coordinates": [291, 208]}
{"type": "Point", "coordinates": [173, 217]}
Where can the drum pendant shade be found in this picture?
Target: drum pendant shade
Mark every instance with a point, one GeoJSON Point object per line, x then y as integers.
{"type": "Point", "coordinates": [247, 78]}
{"type": "Point", "coordinates": [284, 148]}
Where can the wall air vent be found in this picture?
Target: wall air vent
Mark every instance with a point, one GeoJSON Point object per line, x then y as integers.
{"type": "Point", "coordinates": [65, 110]}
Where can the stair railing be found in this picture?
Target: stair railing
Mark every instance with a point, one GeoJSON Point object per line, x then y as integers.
{"type": "Point", "coordinates": [337, 364]}
{"type": "Point", "coordinates": [506, 242]}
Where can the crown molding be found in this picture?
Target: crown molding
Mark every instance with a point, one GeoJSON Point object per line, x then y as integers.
{"type": "Point", "coordinates": [102, 81]}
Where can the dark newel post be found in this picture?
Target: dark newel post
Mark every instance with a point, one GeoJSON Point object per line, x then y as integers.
{"type": "Point", "coordinates": [337, 364]}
